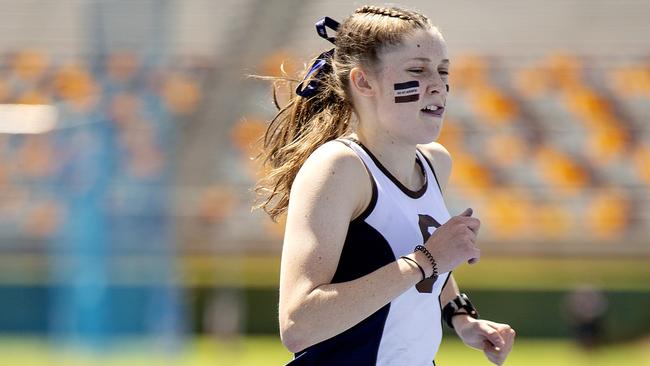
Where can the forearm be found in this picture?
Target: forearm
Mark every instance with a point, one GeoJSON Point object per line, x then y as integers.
{"type": "Point", "coordinates": [330, 309]}
{"type": "Point", "coordinates": [449, 292]}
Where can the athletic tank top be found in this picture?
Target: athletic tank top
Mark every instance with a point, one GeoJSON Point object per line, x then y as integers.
{"type": "Point", "coordinates": [408, 330]}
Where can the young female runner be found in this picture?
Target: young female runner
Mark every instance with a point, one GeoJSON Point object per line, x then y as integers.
{"type": "Point", "coordinates": [369, 245]}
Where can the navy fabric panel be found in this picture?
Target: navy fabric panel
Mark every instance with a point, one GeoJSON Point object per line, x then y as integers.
{"type": "Point", "coordinates": [364, 251]}
{"type": "Point", "coordinates": [356, 346]}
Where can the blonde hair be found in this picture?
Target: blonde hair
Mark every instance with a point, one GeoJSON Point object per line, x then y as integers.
{"type": "Point", "coordinates": [304, 124]}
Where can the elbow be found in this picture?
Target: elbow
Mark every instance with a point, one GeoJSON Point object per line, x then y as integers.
{"type": "Point", "coordinates": [292, 338]}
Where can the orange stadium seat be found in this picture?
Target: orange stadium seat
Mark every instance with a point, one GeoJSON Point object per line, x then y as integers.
{"type": "Point", "coordinates": [467, 72]}
{"type": "Point", "coordinates": [553, 220]}
{"type": "Point", "coordinates": [564, 69]}
{"type": "Point", "coordinates": [505, 149]}
{"type": "Point", "coordinates": [605, 143]}
{"type": "Point", "coordinates": [245, 135]}
{"type": "Point", "coordinates": [36, 157]}
{"type": "Point", "coordinates": [145, 159]}
{"type": "Point", "coordinates": [181, 93]}
{"type": "Point", "coordinates": [494, 106]}
{"type": "Point", "coordinates": [34, 97]}
{"type": "Point", "coordinates": [607, 214]}
{"type": "Point", "coordinates": [509, 213]}
{"type": "Point", "coordinates": [531, 82]}
{"type": "Point", "coordinates": [628, 81]}
{"type": "Point", "coordinates": [451, 135]}
{"type": "Point", "coordinates": [216, 203]}
{"type": "Point", "coordinates": [587, 105]}
{"type": "Point", "coordinates": [468, 171]}
{"type": "Point", "coordinates": [30, 65]}
{"type": "Point", "coordinates": [74, 83]}
{"type": "Point", "coordinates": [641, 161]}
{"type": "Point", "coordinates": [124, 107]}
{"type": "Point", "coordinates": [5, 91]}
{"type": "Point", "coordinates": [560, 171]}
{"type": "Point", "coordinates": [122, 66]}
{"type": "Point", "coordinates": [280, 63]}
{"type": "Point", "coordinates": [44, 219]}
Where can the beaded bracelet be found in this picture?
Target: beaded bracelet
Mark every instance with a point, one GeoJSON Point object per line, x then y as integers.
{"type": "Point", "coordinates": [433, 261]}
{"type": "Point", "coordinates": [416, 263]}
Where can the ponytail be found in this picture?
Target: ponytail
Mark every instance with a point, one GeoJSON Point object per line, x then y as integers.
{"type": "Point", "coordinates": [320, 109]}
{"type": "Point", "coordinates": [298, 129]}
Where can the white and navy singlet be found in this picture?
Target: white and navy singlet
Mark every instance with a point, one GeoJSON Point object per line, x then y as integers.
{"type": "Point", "coordinates": [408, 330]}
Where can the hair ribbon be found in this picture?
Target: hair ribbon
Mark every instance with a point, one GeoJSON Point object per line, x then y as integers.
{"type": "Point", "coordinates": [310, 84]}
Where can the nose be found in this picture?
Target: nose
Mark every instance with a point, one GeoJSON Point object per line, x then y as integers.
{"type": "Point", "coordinates": [438, 86]}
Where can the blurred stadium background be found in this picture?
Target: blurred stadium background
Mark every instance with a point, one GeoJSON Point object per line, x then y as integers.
{"type": "Point", "coordinates": [126, 131]}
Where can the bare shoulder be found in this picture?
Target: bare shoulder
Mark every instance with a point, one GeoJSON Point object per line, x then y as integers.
{"type": "Point", "coordinates": [325, 196]}
{"type": "Point", "coordinates": [333, 172]}
{"type": "Point", "coordinates": [440, 159]}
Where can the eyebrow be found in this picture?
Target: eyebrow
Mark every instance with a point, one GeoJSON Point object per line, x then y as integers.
{"type": "Point", "coordinates": [428, 59]}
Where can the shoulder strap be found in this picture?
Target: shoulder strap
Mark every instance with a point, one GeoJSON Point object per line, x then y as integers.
{"type": "Point", "coordinates": [424, 157]}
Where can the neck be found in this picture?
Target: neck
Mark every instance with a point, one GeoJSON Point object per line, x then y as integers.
{"type": "Point", "coordinates": [396, 156]}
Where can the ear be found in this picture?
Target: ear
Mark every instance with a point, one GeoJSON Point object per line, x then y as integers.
{"type": "Point", "coordinates": [361, 83]}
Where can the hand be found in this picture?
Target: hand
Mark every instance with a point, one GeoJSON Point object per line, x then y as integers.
{"type": "Point", "coordinates": [494, 339]}
{"type": "Point", "coordinates": [455, 242]}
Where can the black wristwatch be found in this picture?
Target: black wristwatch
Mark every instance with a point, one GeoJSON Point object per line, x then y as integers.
{"type": "Point", "coordinates": [454, 307]}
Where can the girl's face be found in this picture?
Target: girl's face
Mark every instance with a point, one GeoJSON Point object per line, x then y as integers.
{"type": "Point", "coordinates": [411, 84]}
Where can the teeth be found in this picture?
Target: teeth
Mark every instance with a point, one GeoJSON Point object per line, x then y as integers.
{"type": "Point", "coordinates": [431, 108]}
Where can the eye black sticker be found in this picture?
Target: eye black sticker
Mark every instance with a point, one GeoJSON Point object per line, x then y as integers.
{"type": "Point", "coordinates": [407, 92]}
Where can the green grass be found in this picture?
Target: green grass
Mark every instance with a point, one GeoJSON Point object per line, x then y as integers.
{"type": "Point", "coordinates": [267, 350]}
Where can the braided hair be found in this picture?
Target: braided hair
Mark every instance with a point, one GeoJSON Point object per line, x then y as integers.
{"type": "Point", "coordinates": [389, 12]}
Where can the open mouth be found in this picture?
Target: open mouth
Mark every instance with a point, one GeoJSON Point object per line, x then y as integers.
{"type": "Point", "coordinates": [433, 110]}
